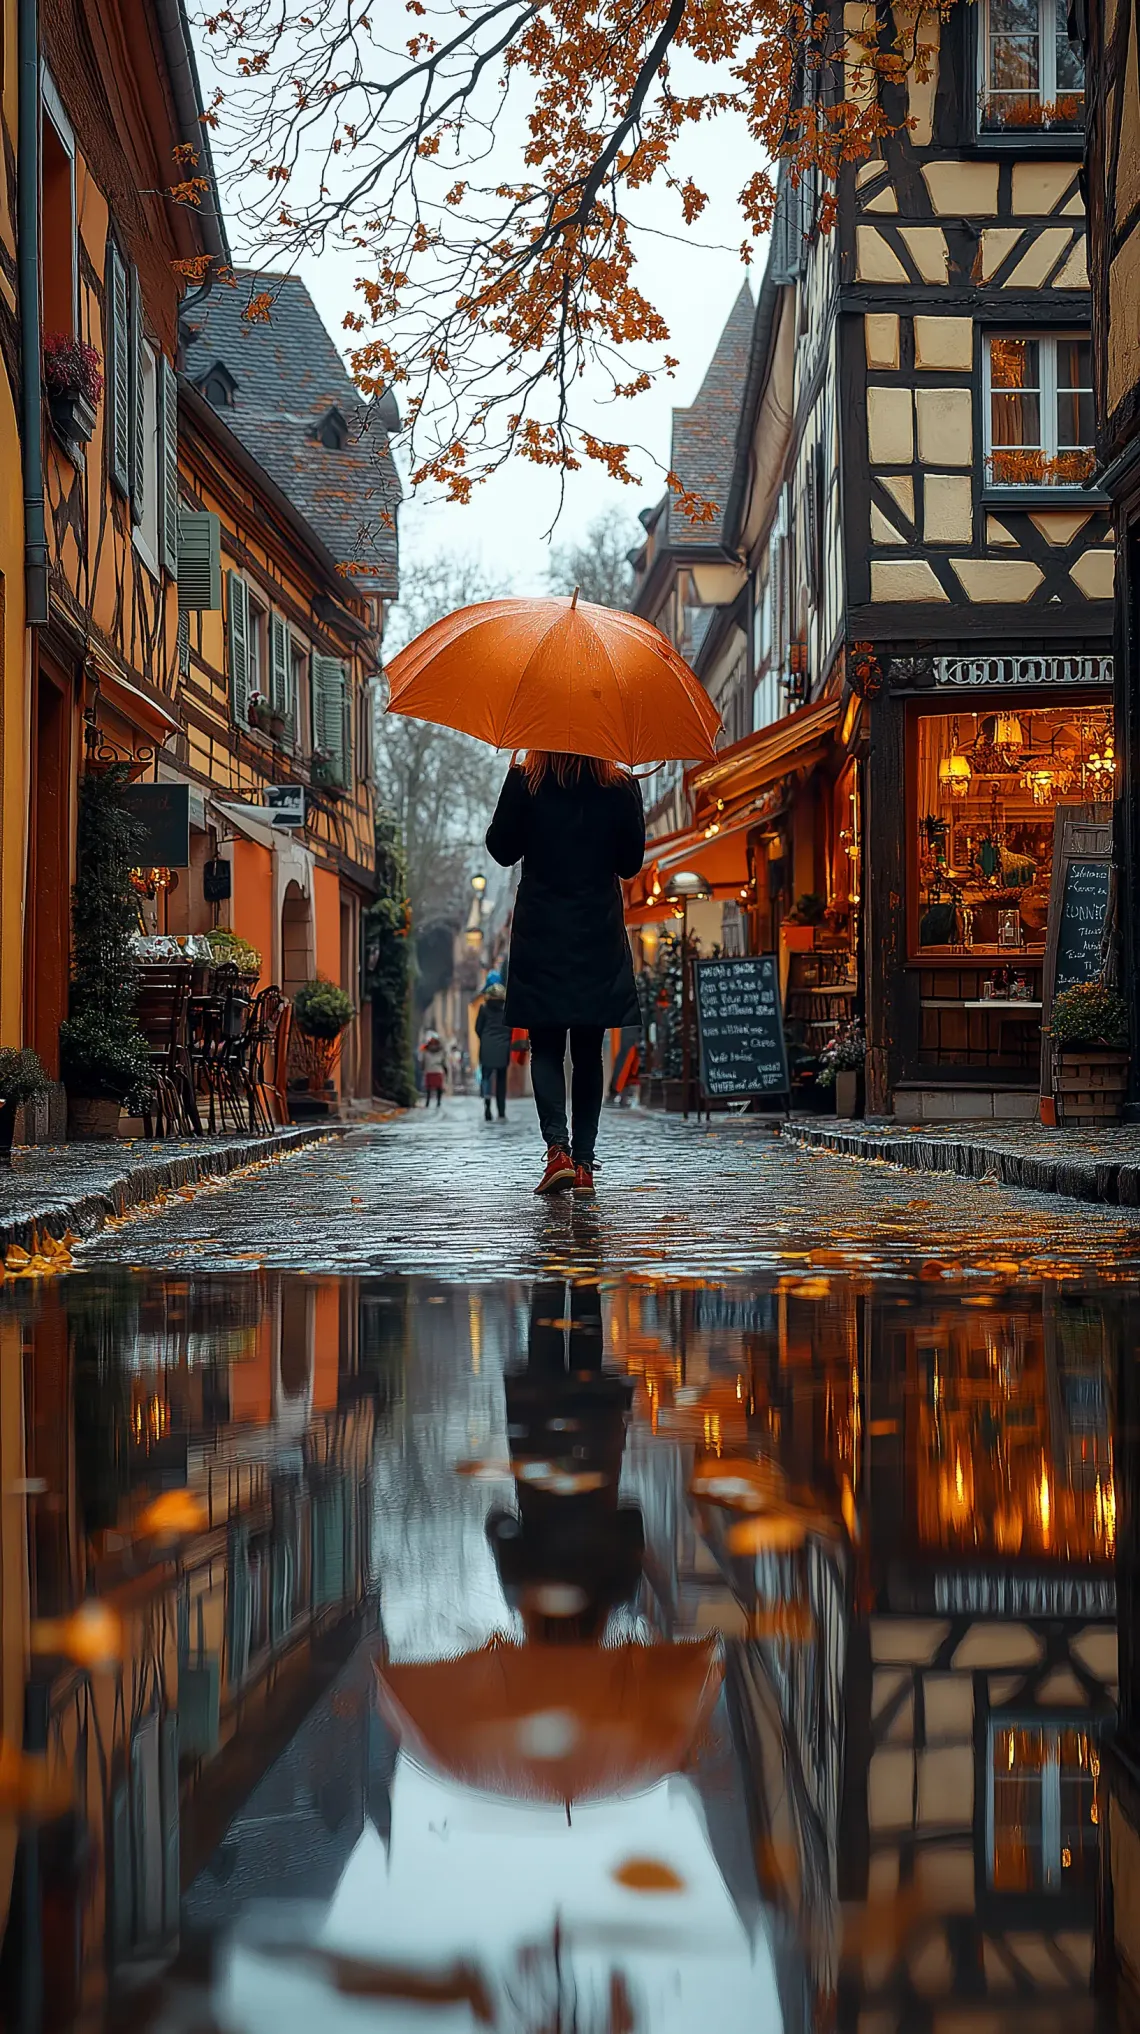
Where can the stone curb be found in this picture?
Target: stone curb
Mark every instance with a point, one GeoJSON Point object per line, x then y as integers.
{"type": "Point", "coordinates": [1109, 1180]}
{"type": "Point", "coordinates": [86, 1213]}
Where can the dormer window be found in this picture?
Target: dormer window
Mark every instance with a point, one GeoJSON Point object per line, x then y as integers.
{"type": "Point", "coordinates": [218, 386]}
{"type": "Point", "coordinates": [332, 431]}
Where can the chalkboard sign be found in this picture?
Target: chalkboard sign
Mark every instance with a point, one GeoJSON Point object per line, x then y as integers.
{"type": "Point", "coordinates": [740, 1026]}
{"type": "Point", "coordinates": [1080, 903]}
{"type": "Point", "coordinates": [1080, 929]}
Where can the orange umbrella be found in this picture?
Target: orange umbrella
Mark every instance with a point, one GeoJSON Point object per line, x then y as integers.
{"type": "Point", "coordinates": [556, 674]}
{"type": "Point", "coordinates": [555, 1723]}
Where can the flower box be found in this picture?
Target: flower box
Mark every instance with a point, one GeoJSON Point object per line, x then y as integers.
{"type": "Point", "coordinates": [1090, 1086]}
{"type": "Point", "coordinates": [266, 719]}
{"type": "Point", "coordinates": [72, 417]}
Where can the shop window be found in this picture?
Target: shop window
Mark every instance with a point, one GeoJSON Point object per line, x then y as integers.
{"type": "Point", "coordinates": [1032, 78]}
{"type": "Point", "coordinates": [987, 787]}
{"type": "Point", "coordinates": [1043, 1809]}
{"type": "Point", "coordinates": [1039, 409]}
{"type": "Point", "coordinates": [57, 201]}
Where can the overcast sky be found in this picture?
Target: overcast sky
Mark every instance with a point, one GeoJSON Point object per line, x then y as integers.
{"type": "Point", "coordinates": [692, 275]}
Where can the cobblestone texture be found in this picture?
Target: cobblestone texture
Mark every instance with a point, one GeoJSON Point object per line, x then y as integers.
{"type": "Point", "coordinates": [56, 1187]}
{"type": "Point", "coordinates": [445, 1193]}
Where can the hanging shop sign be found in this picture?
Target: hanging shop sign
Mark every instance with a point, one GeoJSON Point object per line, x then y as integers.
{"type": "Point", "coordinates": [740, 1028]}
{"type": "Point", "coordinates": [163, 811]}
{"type": "Point", "coordinates": [287, 804]}
{"type": "Point", "coordinates": [1079, 901]}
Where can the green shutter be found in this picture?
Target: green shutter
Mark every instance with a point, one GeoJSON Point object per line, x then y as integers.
{"type": "Point", "coordinates": [168, 443]}
{"type": "Point", "coordinates": [279, 670]}
{"type": "Point", "coordinates": [330, 690]}
{"type": "Point", "coordinates": [238, 609]}
{"type": "Point", "coordinates": [199, 561]}
{"type": "Point", "coordinates": [138, 403]}
{"type": "Point", "coordinates": [117, 352]}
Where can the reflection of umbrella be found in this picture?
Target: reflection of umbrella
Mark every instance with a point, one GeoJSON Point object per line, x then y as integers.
{"type": "Point", "coordinates": [555, 1723]}
{"type": "Point", "coordinates": [556, 674]}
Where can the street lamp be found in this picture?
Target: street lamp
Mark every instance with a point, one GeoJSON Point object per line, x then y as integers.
{"type": "Point", "coordinates": [478, 882]}
{"type": "Point", "coordinates": [685, 887]}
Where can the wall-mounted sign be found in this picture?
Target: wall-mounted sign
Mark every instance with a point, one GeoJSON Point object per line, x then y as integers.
{"type": "Point", "coordinates": [970, 671]}
{"type": "Point", "coordinates": [287, 803]}
{"type": "Point", "coordinates": [163, 810]}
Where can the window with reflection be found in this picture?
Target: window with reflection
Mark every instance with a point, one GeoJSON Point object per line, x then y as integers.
{"type": "Point", "coordinates": [1043, 1808]}
{"type": "Point", "coordinates": [1032, 76]}
{"type": "Point", "coordinates": [1039, 410]}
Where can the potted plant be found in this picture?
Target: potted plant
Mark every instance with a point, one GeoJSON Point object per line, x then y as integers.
{"type": "Point", "coordinates": [22, 1077]}
{"type": "Point", "coordinates": [322, 1013]}
{"type": "Point", "coordinates": [104, 1059]}
{"type": "Point", "coordinates": [841, 1067]}
{"type": "Point", "coordinates": [1089, 1029]}
{"type": "Point", "coordinates": [73, 383]}
{"type": "Point", "coordinates": [265, 717]}
{"type": "Point", "coordinates": [799, 927]}
{"type": "Point", "coordinates": [229, 949]}
{"type": "Point", "coordinates": [325, 770]}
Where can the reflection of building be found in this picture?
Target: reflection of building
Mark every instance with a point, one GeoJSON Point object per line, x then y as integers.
{"type": "Point", "coordinates": [256, 1401]}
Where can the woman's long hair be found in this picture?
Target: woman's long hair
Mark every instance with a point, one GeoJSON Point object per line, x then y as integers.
{"type": "Point", "coordinates": [566, 769]}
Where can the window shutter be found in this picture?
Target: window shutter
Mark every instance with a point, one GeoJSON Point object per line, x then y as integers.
{"type": "Point", "coordinates": [118, 356]}
{"type": "Point", "coordinates": [279, 665]}
{"type": "Point", "coordinates": [329, 733]}
{"type": "Point", "coordinates": [346, 744]}
{"type": "Point", "coordinates": [199, 561]}
{"type": "Point", "coordinates": [168, 439]}
{"type": "Point", "coordinates": [238, 593]}
{"type": "Point", "coordinates": [138, 403]}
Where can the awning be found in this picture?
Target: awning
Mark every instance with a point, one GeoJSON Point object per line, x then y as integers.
{"type": "Point", "coordinates": [797, 742]}
{"type": "Point", "coordinates": [138, 708]}
{"type": "Point", "coordinates": [720, 856]}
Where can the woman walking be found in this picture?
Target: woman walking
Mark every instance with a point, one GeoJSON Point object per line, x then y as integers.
{"type": "Point", "coordinates": [494, 1035]}
{"type": "Point", "coordinates": [577, 824]}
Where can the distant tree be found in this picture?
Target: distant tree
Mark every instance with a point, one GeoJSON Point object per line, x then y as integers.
{"type": "Point", "coordinates": [599, 565]}
{"type": "Point", "coordinates": [438, 788]}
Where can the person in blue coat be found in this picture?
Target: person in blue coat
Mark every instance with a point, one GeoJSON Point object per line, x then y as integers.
{"type": "Point", "coordinates": [494, 1035]}
{"type": "Point", "coordinates": [577, 825]}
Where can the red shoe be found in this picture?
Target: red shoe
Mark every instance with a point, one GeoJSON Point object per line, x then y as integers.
{"type": "Point", "coordinates": [559, 1171]}
{"type": "Point", "coordinates": [583, 1183]}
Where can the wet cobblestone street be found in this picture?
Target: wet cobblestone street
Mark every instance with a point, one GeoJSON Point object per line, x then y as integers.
{"type": "Point", "coordinates": [446, 1193]}
{"type": "Point", "coordinates": [427, 1606]}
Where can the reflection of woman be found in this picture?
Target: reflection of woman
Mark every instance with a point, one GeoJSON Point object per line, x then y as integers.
{"type": "Point", "coordinates": [577, 825]}
{"type": "Point", "coordinates": [572, 1553]}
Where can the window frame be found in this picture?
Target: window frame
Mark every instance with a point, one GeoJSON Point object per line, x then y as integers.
{"type": "Point", "coordinates": [1047, 338]}
{"type": "Point", "coordinates": [986, 134]}
{"type": "Point", "coordinates": [1051, 1725]}
{"type": "Point", "coordinates": [51, 111]}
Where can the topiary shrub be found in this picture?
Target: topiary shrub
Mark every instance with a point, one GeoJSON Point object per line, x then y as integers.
{"type": "Point", "coordinates": [21, 1075]}
{"type": "Point", "coordinates": [322, 1010]}
{"type": "Point", "coordinates": [1090, 1014]}
{"type": "Point", "coordinates": [102, 1052]}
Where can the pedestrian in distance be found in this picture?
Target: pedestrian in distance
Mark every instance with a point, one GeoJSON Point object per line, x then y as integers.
{"type": "Point", "coordinates": [577, 825]}
{"type": "Point", "coordinates": [434, 1056]}
{"type": "Point", "coordinates": [494, 1035]}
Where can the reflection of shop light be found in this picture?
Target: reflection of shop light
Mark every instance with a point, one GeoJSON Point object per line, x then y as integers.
{"type": "Point", "coordinates": [1040, 782]}
{"type": "Point", "coordinates": [1045, 1503]}
{"type": "Point", "coordinates": [1007, 732]}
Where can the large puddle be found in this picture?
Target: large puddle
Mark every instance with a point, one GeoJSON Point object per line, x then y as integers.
{"type": "Point", "coordinates": [638, 1654]}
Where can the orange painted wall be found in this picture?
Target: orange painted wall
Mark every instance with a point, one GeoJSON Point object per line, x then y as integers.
{"type": "Point", "coordinates": [251, 906]}
{"type": "Point", "coordinates": [326, 922]}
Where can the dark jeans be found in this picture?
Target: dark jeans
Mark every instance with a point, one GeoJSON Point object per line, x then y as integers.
{"type": "Point", "coordinates": [548, 1077]}
{"type": "Point", "coordinates": [493, 1083]}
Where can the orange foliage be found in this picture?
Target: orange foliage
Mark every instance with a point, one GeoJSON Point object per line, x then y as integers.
{"type": "Point", "coordinates": [491, 294]}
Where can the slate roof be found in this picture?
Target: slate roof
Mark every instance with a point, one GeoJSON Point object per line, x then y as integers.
{"type": "Point", "coordinates": [288, 375]}
{"type": "Point", "coordinates": [704, 435]}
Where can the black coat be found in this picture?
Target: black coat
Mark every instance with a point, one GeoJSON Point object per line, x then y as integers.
{"type": "Point", "coordinates": [494, 1034]}
{"type": "Point", "coordinates": [570, 961]}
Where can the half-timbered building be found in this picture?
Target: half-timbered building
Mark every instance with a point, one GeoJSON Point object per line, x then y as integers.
{"type": "Point", "coordinates": [117, 132]}
{"type": "Point", "coordinates": [287, 500]}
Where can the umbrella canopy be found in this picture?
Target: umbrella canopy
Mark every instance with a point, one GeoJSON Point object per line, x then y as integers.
{"type": "Point", "coordinates": [555, 1723]}
{"type": "Point", "coordinates": [563, 675]}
